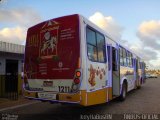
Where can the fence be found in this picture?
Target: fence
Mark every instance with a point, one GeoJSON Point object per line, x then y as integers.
{"type": "Point", "coordinates": [9, 87]}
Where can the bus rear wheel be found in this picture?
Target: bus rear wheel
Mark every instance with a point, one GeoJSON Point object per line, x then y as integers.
{"type": "Point", "coordinates": [139, 86]}
{"type": "Point", "coordinates": [122, 97]}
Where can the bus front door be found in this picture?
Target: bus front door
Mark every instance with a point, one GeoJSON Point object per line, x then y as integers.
{"type": "Point", "coordinates": [113, 63]}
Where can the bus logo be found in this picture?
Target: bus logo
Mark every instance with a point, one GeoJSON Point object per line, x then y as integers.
{"type": "Point", "coordinates": [60, 64]}
{"type": "Point", "coordinates": [49, 40]}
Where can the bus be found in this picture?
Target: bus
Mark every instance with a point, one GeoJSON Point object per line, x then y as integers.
{"type": "Point", "coordinates": [71, 60]}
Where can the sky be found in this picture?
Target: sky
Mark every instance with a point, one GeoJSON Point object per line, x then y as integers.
{"type": "Point", "coordinates": [135, 24]}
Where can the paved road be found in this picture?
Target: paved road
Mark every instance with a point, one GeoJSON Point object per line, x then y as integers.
{"type": "Point", "coordinates": [144, 100]}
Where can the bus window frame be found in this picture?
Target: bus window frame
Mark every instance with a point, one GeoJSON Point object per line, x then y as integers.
{"type": "Point", "coordinates": [121, 50]}
{"type": "Point", "coordinates": [104, 46]}
{"type": "Point", "coordinates": [121, 55]}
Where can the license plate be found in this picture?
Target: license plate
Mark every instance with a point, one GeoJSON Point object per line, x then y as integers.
{"type": "Point", "coordinates": [44, 95]}
{"type": "Point", "coordinates": [47, 83]}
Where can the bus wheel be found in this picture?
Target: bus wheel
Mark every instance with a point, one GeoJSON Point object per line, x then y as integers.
{"type": "Point", "coordinates": [122, 97]}
{"type": "Point", "coordinates": [139, 86]}
{"type": "Point", "coordinates": [135, 85]}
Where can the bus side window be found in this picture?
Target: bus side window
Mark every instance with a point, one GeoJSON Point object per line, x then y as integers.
{"type": "Point", "coordinates": [124, 57]}
{"type": "Point", "coordinates": [91, 44]}
{"type": "Point", "coordinates": [127, 57]}
{"type": "Point", "coordinates": [130, 60]}
{"type": "Point", "coordinates": [95, 45]}
{"type": "Point", "coordinates": [92, 52]}
{"type": "Point", "coordinates": [133, 62]}
{"type": "Point", "coordinates": [121, 56]}
{"type": "Point", "coordinates": [101, 48]}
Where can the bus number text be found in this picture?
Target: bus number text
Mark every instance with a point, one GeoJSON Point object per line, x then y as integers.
{"type": "Point", "coordinates": [64, 89]}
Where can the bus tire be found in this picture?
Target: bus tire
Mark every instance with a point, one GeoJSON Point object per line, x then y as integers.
{"type": "Point", "coordinates": [122, 97]}
{"type": "Point", "coordinates": [135, 85]}
{"type": "Point", "coordinates": [139, 86]}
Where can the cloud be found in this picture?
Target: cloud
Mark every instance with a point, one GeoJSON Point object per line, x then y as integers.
{"type": "Point", "coordinates": [22, 16]}
{"type": "Point", "coordinates": [148, 55]}
{"type": "Point", "coordinates": [149, 34]}
{"type": "Point", "coordinates": [144, 53]}
{"type": "Point", "coordinates": [15, 35]}
{"type": "Point", "coordinates": [3, 1]}
{"type": "Point", "coordinates": [108, 24]}
{"type": "Point", "coordinates": [22, 19]}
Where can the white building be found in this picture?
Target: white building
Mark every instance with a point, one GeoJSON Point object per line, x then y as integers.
{"type": "Point", "coordinates": [11, 64]}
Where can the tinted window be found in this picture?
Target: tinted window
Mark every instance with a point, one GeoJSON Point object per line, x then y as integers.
{"type": "Point", "coordinates": [121, 56]}
{"type": "Point", "coordinates": [127, 57]}
{"type": "Point", "coordinates": [100, 40]}
{"type": "Point", "coordinates": [91, 37]}
{"type": "Point", "coordinates": [95, 46]}
{"type": "Point", "coordinates": [92, 52]}
{"type": "Point", "coordinates": [100, 46]}
{"type": "Point", "coordinates": [124, 57]}
{"type": "Point", "coordinates": [130, 60]}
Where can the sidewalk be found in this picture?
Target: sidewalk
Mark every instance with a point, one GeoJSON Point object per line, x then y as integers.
{"type": "Point", "coordinates": [5, 103]}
